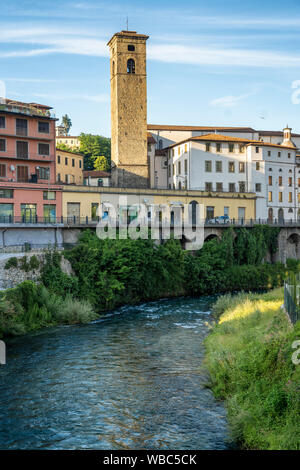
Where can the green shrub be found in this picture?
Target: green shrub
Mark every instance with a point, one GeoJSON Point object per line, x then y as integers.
{"type": "Point", "coordinates": [75, 311]}
{"type": "Point", "coordinates": [11, 263]}
{"type": "Point", "coordinates": [10, 322]}
{"type": "Point", "coordinates": [34, 263]}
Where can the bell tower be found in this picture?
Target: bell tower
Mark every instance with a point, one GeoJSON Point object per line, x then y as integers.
{"type": "Point", "coordinates": [128, 83]}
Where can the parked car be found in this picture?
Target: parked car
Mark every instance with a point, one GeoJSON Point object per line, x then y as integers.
{"type": "Point", "coordinates": [222, 219]}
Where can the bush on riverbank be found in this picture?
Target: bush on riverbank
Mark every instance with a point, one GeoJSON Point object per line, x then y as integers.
{"type": "Point", "coordinates": [31, 306]}
{"type": "Point", "coordinates": [248, 355]}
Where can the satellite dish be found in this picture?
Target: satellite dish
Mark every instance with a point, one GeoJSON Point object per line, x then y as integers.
{"type": "Point", "coordinates": [12, 168]}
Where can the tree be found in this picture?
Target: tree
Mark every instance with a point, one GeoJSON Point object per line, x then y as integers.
{"type": "Point", "coordinates": [67, 123]}
{"type": "Point", "coordinates": [92, 146]}
{"type": "Point", "coordinates": [100, 163]}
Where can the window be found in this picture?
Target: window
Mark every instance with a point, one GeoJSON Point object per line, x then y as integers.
{"type": "Point", "coordinates": [174, 169]}
{"type": "Point", "coordinates": [66, 160]}
{"type": "Point", "coordinates": [218, 147]}
{"type": "Point", "coordinates": [231, 147]}
{"type": "Point", "coordinates": [242, 187]}
{"type": "Point", "coordinates": [242, 148]}
{"type": "Point", "coordinates": [231, 168]}
{"type": "Point", "coordinates": [21, 127]}
{"type": "Point", "coordinates": [130, 66]}
{"type": "Point", "coordinates": [289, 155]}
{"type": "Point", "coordinates": [241, 167]}
{"type": "Point", "coordinates": [270, 180]}
{"type": "Point", "coordinates": [43, 127]}
{"type": "Point", "coordinates": [210, 212]}
{"type": "Point", "coordinates": [2, 122]}
{"type": "Point", "coordinates": [179, 168]}
{"type": "Point", "coordinates": [290, 181]}
{"type": "Point", "coordinates": [22, 174]}
{"type": "Point", "coordinates": [185, 148]}
{"type": "Point", "coordinates": [2, 170]}
{"type": "Point", "coordinates": [241, 213]}
{"type": "Point", "coordinates": [131, 48]}
{"type": "Point", "coordinates": [6, 212]}
{"type": "Point", "coordinates": [208, 166]}
{"type": "Point", "coordinates": [49, 195]}
{"type": "Point", "coordinates": [58, 158]}
{"type": "Point", "coordinates": [94, 209]}
{"type": "Point", "coordinates": [178, 150]}
{"type": "Point", "coordinates": [280, 180]}
{"type": "Point", "coordinates": [2, 145]}
{"type": "Point", "coordinates": [6, 193]}
{"type": "Point", "coordinates": [280, 197]}
{"type": "Point", "coordinates": [218, 166]}
{"type": "Point", "coordinates": [299, 182]}
{"type": "Point", "coordinates": [270, 196]}
{"type": "Point", "coordinates": [58, 177]}
{"type": "Point", "coordinates": [44, 149]}
{"type": "Point", "coordinates": [257, 149]}
{"type": "Point", "coordinates": [208, 187]}
{"type": "Point", "coordinates": [173, 152]}
{"type": "Point", "coordinates": [185, 167]}
{"type": "Point", "coordinates": [258, 187]}
{"type": "Point", "coordinates": [232, 187]}
{"type": "Point", "coordinates": [290, 197]}
{"type": "Point", "coordinates": [22, 149]}
{"type": "Point", "coordinates": [80, 163]}
{"type": "Point", "coordinates": [279, 154]}
{"type": "Point", "coordinates": [269, 153]}
{"type": "Point", "coordinates": [179, 185]}
{"type": "Point", "coordinates": [226, 211]}
{"type": "Point", "coordinates": [219, 186]}
{"type": "Point", "coordinates": [43, 173]}
{"type": "Point", "coordinates": [257, 166]}
{"type": "Point", "coordinates": [207, 146]}
{"type": "Point", "coordinates": [73, 162]}
{"type": "Point", "coordinates": [50, 212]}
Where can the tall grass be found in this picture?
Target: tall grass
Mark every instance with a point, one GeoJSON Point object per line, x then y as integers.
{"type": "Point", "coordinates": [248, 355]}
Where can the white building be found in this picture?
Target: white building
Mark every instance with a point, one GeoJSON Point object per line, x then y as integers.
{"type": "Point", "coordinates": [221, 163]}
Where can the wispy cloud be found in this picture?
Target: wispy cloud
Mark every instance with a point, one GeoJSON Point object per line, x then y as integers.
{"type": "Point", "coordinates": [98, 98]}
{"type": "Point", "coordinates": [39, 41]}
{"type": "Point", "coordinates": [230, 101]}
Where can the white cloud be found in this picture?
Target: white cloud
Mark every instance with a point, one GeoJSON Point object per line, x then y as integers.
{"type": "Point", "coordinates": [43, 41]}
{"type": "Point", "coordinates": [230, 101]}
{"type": "Point", "coordinates": [98, 98]}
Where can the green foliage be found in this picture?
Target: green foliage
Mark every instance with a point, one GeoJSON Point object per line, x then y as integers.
{"type": "Point", "coordinates": [73, 311]}
{"type": "Point", "coordinates": [101, 164]}
{"type": "Point", "coordinates": [31, 306]}
{"type": "Point", "coordinates": [54, 278]}
{"type": "Point", "coordinates": [63, 146]}
{"type": "Point", "coordinates": [248, 355]}
{"type": "Point", "coordinates": [92, 146]}
{"type": "Point", "coordinates": [11, 263]}
{"type": "Point", "coordinates": [30, 265]}
{"type": "Point", "coordinates": [67, 123]}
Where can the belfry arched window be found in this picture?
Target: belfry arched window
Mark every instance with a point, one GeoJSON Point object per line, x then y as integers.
{"type": "Point", "coordinates": [130, 66]}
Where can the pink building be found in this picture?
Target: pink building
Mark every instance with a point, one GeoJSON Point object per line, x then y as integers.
{"type": "Point", "coordinates": [28, 191]}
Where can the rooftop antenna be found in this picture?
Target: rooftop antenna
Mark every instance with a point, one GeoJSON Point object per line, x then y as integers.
{"type": "Point", "coordinates": [127, 23]}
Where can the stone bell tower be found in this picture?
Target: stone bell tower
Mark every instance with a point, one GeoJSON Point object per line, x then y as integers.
{"type": "Point", "coordinates": [128, 110]}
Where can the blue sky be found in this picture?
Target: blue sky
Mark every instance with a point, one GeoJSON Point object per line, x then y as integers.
{"type": "Point", "coordinates": [209, 63]}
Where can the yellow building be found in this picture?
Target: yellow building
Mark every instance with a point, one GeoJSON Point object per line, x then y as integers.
{"type": "Point", "coordinates": [82, 201]}
{"type": "Point", "coordinates": [69, 167]}
{"type": "Point", "coordinates": [72, 141]}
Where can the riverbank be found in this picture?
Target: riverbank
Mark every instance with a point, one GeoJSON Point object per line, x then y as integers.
{"type": "Point", "coordinates": [249, 357]}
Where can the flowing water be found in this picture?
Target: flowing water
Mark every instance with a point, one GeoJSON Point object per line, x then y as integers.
{"type": "Point", "coordinates": [133, 380]}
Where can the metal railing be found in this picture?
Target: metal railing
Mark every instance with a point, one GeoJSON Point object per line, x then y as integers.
{"type": "Point", "coordinates": [27, 110]}
{"type": "Point", "coordinates": [89, 221]}
{"type": "Point", "coordinates": [292, 301]}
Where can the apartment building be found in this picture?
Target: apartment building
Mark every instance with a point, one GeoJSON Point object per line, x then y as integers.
{"type": "Point", "coordinates": [69, 167]}
{"type": "Point", "coordinates": [217, 163]}
{"type": "Point", "coordinates": [27, 162]}
{"type": "Point", "coordinates": [72, 141]}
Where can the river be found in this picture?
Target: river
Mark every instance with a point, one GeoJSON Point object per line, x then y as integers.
{"type": "Point", "coordinates": [132, 380]}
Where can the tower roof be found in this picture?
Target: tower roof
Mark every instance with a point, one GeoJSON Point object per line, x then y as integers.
{"type": "Point", "coordinates": [128, 34]}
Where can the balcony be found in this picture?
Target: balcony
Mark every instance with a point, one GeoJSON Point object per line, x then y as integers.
{"type": "Point", "coordinates": [26, 110]}
{"type": "Point", "coordinates": [27, 156]}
